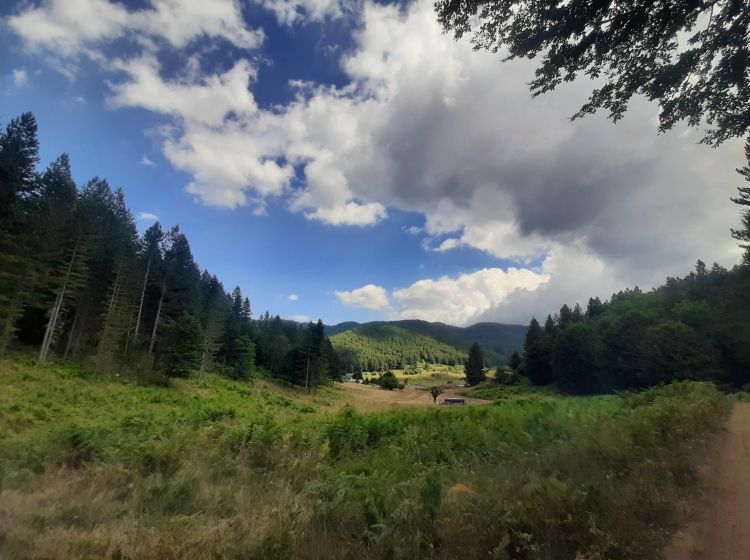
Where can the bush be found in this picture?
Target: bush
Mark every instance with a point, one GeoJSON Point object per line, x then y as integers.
{"type": "Point", "coordinates": [388, 381]}
{"type": "Point", "coordinates": [506, 376]}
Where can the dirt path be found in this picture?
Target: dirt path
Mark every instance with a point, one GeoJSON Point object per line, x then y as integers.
{"type": "Point", "coordinates": [371, 397]}
{"type": "Point", "coordinates": [721, 530]}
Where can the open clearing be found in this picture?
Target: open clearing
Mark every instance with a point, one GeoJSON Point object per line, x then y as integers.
{"type": "Point", "coordinates": [721, 528]}
{"type": "Point", "coordinates": [372, 397]}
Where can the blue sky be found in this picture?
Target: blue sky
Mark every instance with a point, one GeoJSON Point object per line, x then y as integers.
{"type": "Point", "coordinates": [350, 154]}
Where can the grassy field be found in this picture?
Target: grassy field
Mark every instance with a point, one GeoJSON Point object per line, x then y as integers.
{"type": "Point", "coordinates": [428, 374]}
{"type": "Point", "coordinates": [100, 467]}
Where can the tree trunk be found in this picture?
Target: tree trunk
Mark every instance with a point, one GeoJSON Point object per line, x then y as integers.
{"type": "Point", "coordinates": [158, 315]}
{"type": "Point", "coordinates": [71, 335]}
{"type": "Point", "coordinates": [204, 357]}
{"type": "Point", "coordinates": [130, 330]}
{"type": "Point", "coordinates": [110, 307]}
{"type": "Point", "coordinates": [143, 297]}
{"type": "Point", "coordinates": [55, 313]}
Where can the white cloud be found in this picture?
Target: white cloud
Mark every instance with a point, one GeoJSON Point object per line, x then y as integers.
{"type": "Point", "coordinates": [369, 296]}
{"type": "Point", "coordinates": [463, 299]}
{"type": "Point", "coordinates": [147, 217]}
{"type": "Point", "coordinates": [448, 244]}
{"type": "Point", "coordinates": [350, 214]}
{"type": "Point", "coordinates": [300, 318]}
{"type": "Point", "coordinates": [292, 297]}
{"type": "Point", "coordinates": [20, 77]}
{"type": "Point", "coordinates": [288, 12]}
{"type": "Point", "coordinates": [207, 100]}
{"type": "Point", "coordinates": [427, 125]}
{"type": "Point", "coordinates": [146, 161]}
{"type": "Point", "coordinates": [71, 28]}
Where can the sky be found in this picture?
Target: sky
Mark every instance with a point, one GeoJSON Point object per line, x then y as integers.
{"type": "Point", "coordinates": [346, 160]}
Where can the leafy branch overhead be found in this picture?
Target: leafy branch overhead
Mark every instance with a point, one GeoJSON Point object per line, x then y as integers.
{"type": "Point", "coordinates": [690, 56]}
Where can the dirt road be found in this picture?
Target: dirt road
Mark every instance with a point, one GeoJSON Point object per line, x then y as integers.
{"type": "Point", "coordinates": [721, 530]}
{"type": "Point", "coordinates": [371, 397]}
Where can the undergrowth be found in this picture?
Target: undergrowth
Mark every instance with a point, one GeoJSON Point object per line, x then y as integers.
{"type": "Point", "coordinates": [100, 467]}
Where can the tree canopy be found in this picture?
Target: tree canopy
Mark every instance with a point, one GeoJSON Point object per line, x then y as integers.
{"type": "Point", "coordinates": [691, 57]}
{"type": "Point", "coordinates": [78, 282]}
{"type": "Point", "coordinates": [696, 327]}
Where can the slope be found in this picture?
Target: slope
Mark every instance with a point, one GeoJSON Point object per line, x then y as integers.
{"type": "Point", "coordinates": [497, 340]}
{"type": "Point", "coordinates": [378, 346]}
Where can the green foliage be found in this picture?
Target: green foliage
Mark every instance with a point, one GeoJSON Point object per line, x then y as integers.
{"type": "Point", "coordinates": [694, 327]}
{"type": "Point", "coordinates": [147, 466]}
{"type": "Point", "coordinates": [507, 376]}
{"type": "Point", "coordinates": [435, 392]}
{"type": "Point", "coordinates": [388, 381]}
{"type": "Point", "coordinates": [183, 356]}
{"type": "Point", "coordinates": [474, 368]}
{"type": "Point", "coordinates": [689, 57]}
{"type": "Point", "coordinates": [743, 200]}
{"type": "Point", "coordinates": [515, 360]}
{"type": "Point", "coordinates": [78, 283]}
{"type": "Point", "coordinates": [498, 341]}
{"type": "Point", "coordinates": [382, 346]}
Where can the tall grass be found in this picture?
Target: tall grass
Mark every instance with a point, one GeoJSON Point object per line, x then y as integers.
{"type": "Point", "coordinates": [96, 467]}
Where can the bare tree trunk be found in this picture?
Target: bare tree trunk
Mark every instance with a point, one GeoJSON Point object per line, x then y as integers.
{"type": "Point", "coordinates": [51, 323]}
{"type": "Point", "coordinates": [158, 315]}
{"type": "Point", "coordinates": [77, 343]}
{"type": "Point", "coordinates": [204, 357]}
{"type": "Point", "coordinates": [111, 306]}
{"type": "Point", "coordinates": [71, 335]}
{"type": "Point", "coordinates": [143, 297]}
{"type": "Point", "coordinates": [55, 314]}
{"type": "Point", "coordinates": [130, 330]}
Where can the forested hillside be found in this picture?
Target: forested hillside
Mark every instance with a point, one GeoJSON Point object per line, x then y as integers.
{"type": "Point", "coordinates": [696, 327]}
{"type": "Point", "coordinates": [381, 346]}
{"type": "Point", "coordinates": [498, 341]}
{"type": "Point", "coordinates": [79, 283]}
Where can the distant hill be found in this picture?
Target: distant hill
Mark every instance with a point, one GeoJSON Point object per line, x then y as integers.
{"type": "Point", "coordinates": [341, 327]}
{"type": "Point", "coordinates": [393, 343]}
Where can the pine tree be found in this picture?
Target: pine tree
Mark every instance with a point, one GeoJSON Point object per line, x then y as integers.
{"type": "Point", "coordinates": [19, 217]}
{"type": "Point", "coordinates": [474, 368]}
{"type": "Point", "coordinates": [566, 316]}
{"type": "Point", "coordinates": [183, 354]}
{"type": "Point", "coordinates": [537, 351]}
{"type": "Point", "coordinates": [19, 156]}
{"type": "Point", "coordinates": [514, 362]}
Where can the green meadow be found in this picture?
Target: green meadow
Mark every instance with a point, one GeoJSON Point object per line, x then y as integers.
{"type": "Point", "coordinates": [99, 466]}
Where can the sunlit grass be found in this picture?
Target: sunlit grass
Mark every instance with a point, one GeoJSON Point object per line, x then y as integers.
{"type": "Point", "coordinates": [101, 467]}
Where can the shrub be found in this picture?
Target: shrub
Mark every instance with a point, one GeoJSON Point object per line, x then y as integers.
{"type": "Point", "coordinates": [388, 381]}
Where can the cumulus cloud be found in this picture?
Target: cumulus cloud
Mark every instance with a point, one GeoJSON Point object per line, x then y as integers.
{"type": "Point", "coordinates": [288, 12]}
{"type": "Point", "coordinates": [147, 217]}
{"type": "Point", "coordinates": [146, 161]}
{"type": "Point", "coordinates": [300, 318]}
{"type": "Point", "coordinates": [463, 299]}
{"type": "Point", "coordinates": [203, 100]}
{"type": "Point", "coordinates": [369, 296]}
{"type": "Point", "coordinates": [71, 28]}
{"type": "Point", "coordinates": [427, 125]}
{"type": "Point", "coordinates": [293, 297]}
